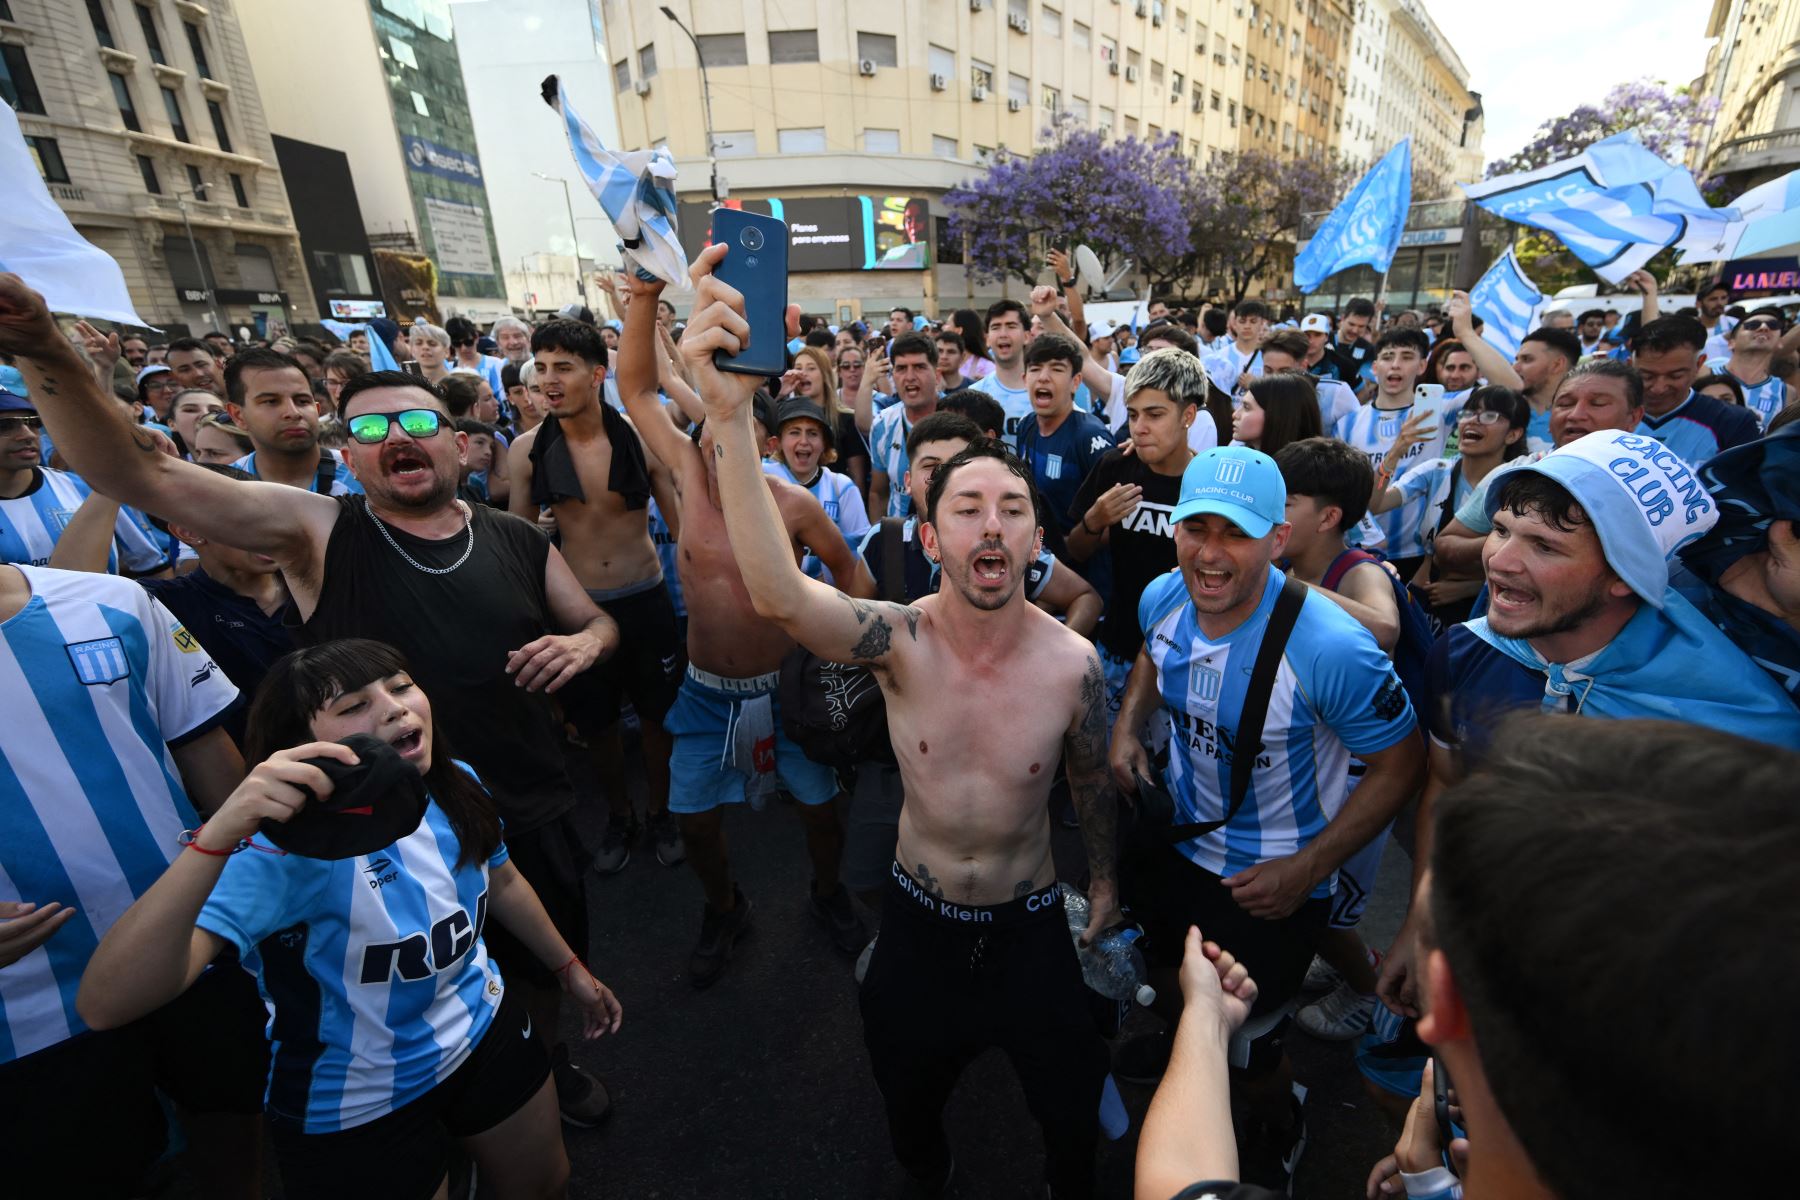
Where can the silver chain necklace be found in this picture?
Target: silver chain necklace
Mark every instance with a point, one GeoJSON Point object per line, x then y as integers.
{"type": "Point", "coordinates": [415, 564]}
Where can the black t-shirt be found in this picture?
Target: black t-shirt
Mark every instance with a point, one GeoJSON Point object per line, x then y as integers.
{"type": "Point", "coordinates": [849, 442]}
{"type": "Point", "coordinates": [456, 631]}
{"type": "Point", "coordinates": [1142, 545]}
{"type": "Point", "coordinates": [238, 635]}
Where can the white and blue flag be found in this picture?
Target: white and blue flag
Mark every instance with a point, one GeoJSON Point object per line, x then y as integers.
{"type": "Point", "coordinates": [1614, 205]}
{"type": "Point", "coordinates": [1507, 302]}
{"type": "Point", "coordinates": [1366, 227]}
{"type": "Point", "coordinates": [1767, 219]}
{"type": "Point", "coordinates": [635, 187]}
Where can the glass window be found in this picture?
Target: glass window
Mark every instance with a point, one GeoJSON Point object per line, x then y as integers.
{"type": "Point", "coordinates": [1156, 72]}
{"type": "Point", "coordinates": [724, 49]}
{"type": "Point", "coordinates": [218, 123]}
{"type": "Point", "coordinates": [152, 184]}
{"type": "Point", "coordinates": [18, 86]}
{"type": "Point", "coordinates": [196, 185]}
{"type": "Point", "coordinates": [734, 144]}
{"type": "Point", "coordinates": [1133, 58]}
{"type": "Point", "coordinates": [1109, 49]}
{"type": "Point", "coordinates": [622, 75]}
{"type": "Point", "coordinates": [1051, 99]}
{"type": "Point", "coordinates": [147, 22]}
{"type": "Point", "coordinates": [1018, 8]}
{"type": "Point", "coordinates": [199, 48]}
{"type": "Point", "coordinates": [1081, 36]}
{"type": "Point", "coordinates": [49, 159]}
{"type": "Point", "coordinates": [1106, 119]}
{"type": "Point", "coordinates": [1078, 108]}
{"type": "Point", "coordinates": [881, 141]}
{"type": "Point", "coordinates": [980, 74]}
{"type": "Point", "coordinates": [794, 46]}
{"type": "Point", "coordinates": [127, 110]}
{"type": "Point", "coordinates": [1018, 88]}
{"type": "Point", "coordinates": [878, 48]}
{"type": "Point", "coordinates": [941, 61]}
{"type": "Point", "coordinates": [647, 63]}
{"type": "Point", "coordinates": [402, 52]}
{"type": "Point", "coordinates": [237, 190]}
{"type": "Point", "coordinates": [943, 147]}
{"type": "Point", "coordinates": [801, 141]}
{"type": "Point", "coordinates": [102, 27]}
{"type": "Point", "coordinates": [419, 105]}
{"type": "Point", "coordinates": [1050, 22]}
{"type": "Point", "coordinates": [1131, 127]}
{"type": "Point", "coordinates": [178, 123]}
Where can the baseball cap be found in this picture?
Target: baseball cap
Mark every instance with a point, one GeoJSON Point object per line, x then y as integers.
{"type": "Point", "coordinates": [797, 408]}
{"type": "Point", "coordinates": [1128, 355]}
{"type": "Point", "coordinates": [14, 396]}
{"type": "Point", "coordinates": [1644, 500]}
{"type": "Point", "coordinates": [1235, 482]}
{"type": "Point", "coordinates": [1099, 329]}
{"type": "Point", "coordinates": [576, 312]}
{"type": "Point", "coordinates": [148, 371]}
{"type": "Point", "coordinates": [1316, 323]}
{"type": "Point", "coordinates": [372, 805]}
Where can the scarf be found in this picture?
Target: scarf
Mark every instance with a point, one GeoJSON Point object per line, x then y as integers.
{"type": "Point", "coordinates": [1669, 664]}
{"type": "Point", "coordinates": [553, 474]}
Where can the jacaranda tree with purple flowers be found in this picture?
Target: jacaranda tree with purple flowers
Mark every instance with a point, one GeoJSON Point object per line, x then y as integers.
{"type": "Point", "coordinates": [1243, 216]}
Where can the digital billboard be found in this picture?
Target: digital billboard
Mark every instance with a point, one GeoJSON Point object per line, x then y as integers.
{"type": "Point", "coordinates": [834, 233]}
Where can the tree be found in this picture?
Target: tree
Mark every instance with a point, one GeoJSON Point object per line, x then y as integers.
{"type": "Point", "coordinates": [1244, 213]}
{"type": "Point", "coordinates": [1122, 197]}
{"type": "Point", "coordinates": [1667, 122]}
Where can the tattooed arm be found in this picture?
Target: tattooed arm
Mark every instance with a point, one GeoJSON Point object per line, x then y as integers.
{"type": "Point", "coordinates": [1091, 788]}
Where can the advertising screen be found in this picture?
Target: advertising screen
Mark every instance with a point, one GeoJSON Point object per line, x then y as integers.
{"type": "Point", "coordinates": [834, 233]}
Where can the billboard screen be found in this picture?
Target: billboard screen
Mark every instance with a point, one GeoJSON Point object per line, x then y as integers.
{"type": "Point", "coordinates": [834, 233]}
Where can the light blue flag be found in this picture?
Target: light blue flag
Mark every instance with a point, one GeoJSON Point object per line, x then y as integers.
{"type": "Point", "coordinates": [1507, 303]}
{"type": "Point", "coordinates": [1366, 227]}
{"type": "Point", "coordinates": [636, 188]}
{"type": "Point", "coordinates": [1768, 218]}
{"type": "Point", "coordinates": [1614, 205]}
{"type": "Point", "coordinates": [381, 358]}
{"type": "Point", "coordinates": [38, 244]}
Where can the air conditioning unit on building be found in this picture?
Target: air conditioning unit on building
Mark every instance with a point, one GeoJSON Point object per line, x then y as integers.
{"type": "Point", "coordinates": [641, 87]}
{"type": "Point", "coordinates": [977, 5]}
{"type": "Point", "coordinates": [1112, 68]}
{"type": "Point", "coordinates": [1143, 10]}
{"type": "Point", "coordinates": [978, 92]}
{"type": "Point", "coordinates": [1014, 105]}
{"type": "Point", "coordinates": [1130, 74]}
{"type": "Point", "coordinates": [1156, 19]}
{"type": "Point", "coordinates": [939, 83]}
{"type": "Point", "coordinates": [866, 67]}
{"type": "Point", "coordinates": [1019, 21]}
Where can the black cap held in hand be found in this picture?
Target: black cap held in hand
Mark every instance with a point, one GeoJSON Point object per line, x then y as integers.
{"type": "Point", "coordinates": [372, 805]}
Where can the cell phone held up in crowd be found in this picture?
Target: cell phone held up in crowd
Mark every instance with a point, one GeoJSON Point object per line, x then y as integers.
{"type": "Point", "coordinates": [755, 263]}
{"type": "Point", "coordinates": [411, 367]}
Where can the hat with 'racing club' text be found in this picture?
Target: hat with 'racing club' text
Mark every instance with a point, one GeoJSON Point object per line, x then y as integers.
{"type": "Point", "coordinates": [1235, 482]}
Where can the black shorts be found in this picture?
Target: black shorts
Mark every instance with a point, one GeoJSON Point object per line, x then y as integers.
{"type": "Point", "coordinates": [645, 669]}
{"type": "Point", "coordinates": [405, 1154]}
{"type": "Point", "coordinates": [553, 861]}
{"type": "Point", "coordinates": [1168, 893]}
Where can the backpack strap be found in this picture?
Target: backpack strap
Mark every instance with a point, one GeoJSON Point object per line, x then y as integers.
{"type": "Point", "coordinates": [1246, 742]}
{"type": "Point", "coordinates": [326, 473]}
{"type": "Point", "coordinates": [1447, 510]}
{"type": "Point", "coordinates": [893, 560]}
{"type": "Point", "coordinates": [1342, 566]}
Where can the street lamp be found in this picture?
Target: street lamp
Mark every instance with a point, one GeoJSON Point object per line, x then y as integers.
{"type": "Point", "coordinates": [580, 277]}
{"type": "Point", "coordinates": [181, 199]}
{"type": "Point", "coordinates": [712, 161]}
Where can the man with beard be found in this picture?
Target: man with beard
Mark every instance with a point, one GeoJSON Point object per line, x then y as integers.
{"type": "Point", "coordinates": [486, 610]}
{"type": "Point", "coordinates": [913, 359]}
{"type": "Point", "coordinates": [974, 948]}
{"type": "Point", "coordinates": [1008, 330]}
{"type": "Point", "coordinates": [270, 398]}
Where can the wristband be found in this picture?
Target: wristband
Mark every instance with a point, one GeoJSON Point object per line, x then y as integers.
{"type": "Point", "coordinates": [574, 960]}
{"type": "Point", "coordinates": [1069, 282]}
{"type": "Point", "coordinates": [1085, 529]}
{"type": "Point", "coordinates": [191, 839]}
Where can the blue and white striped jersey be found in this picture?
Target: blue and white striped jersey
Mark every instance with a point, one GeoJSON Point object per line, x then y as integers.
{"type": "Point", "coordinates": [33, 522]}
{"type": "Point", "coordinates": [373, 969]}
{"type": "Point", "coordinates": [1430, 481]}
{"type": "Point", "coordinates": [887, 450]}
{"type": "Point", "coordinates": [1014, 401]}
{"type": "Point", "coordinates": [98, 680]}
{"type": "Point", "coordinates": [343, 483]}
{"type": "Point", "coordinates": [841, 501]}
{"type": "Point", "coordinates": [1765, 399]}
{"type": "Point", "coordinates": [1335, 694]}
{"type": "Point", "coordinates": [1372, 430]}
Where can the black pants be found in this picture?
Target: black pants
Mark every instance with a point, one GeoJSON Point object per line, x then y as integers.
{"type": "Point", "coordinates": [948, 981]}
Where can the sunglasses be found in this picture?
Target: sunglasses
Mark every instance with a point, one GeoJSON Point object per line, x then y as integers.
{"type": "Point", "coordinates": [1762, 323]}
{"type": "Point", "coordinates": [371, 429]}
{"type": "Point", "coordinates": [1486, 417]}
{"type": "Point", "coordinates": [14, 424]}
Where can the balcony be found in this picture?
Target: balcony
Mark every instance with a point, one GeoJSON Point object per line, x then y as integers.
{"type": "Point", "coordinates": [1762, 152]}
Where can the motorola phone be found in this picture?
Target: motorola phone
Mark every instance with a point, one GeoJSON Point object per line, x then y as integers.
{"type": "Point", "coordinates": [756, 264]}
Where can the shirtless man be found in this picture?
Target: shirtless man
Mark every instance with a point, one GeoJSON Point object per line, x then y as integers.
{"type": "Point", "coordinates": [974, 948]}
{"type": "Point", "coordinates": [588, 468]}
{"type": "Point", "coordinates": [728, 745]}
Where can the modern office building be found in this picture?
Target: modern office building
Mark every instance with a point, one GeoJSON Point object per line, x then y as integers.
{"type": "Point", "coordinates": [1753, 71]}
{"type": "Point", "coordinates": [381, 81]}
{"type": "Point", "coordinates": [146, 122]}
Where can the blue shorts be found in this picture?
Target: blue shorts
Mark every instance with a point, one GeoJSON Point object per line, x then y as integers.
{"type": "Point", "coordinates": [700, 775]}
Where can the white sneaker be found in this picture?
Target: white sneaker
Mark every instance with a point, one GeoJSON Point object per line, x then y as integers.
{"type": "Point", "coordinates": [862, 960]}
{"type": "Point", "coordinates": [1338, 1017]}
{"type": "Point", "coordinates": [1321, 977]}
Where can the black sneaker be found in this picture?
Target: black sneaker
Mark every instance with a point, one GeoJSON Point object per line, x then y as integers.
{"type": "Point", "coordinates": [718, 933]}
{"type": "Point", "coordinates": [838, 915]}
{"type": "Point", "coordinates": [615, 846]}
{"type": "Point", "coordinates": [1271, 1156]}
{"type": "Point", "coordinates": [582, 1099]}
{"type": "Point", "coordinates": [665, 838]}
{"type": "Point", "coordinates": [1143, 1059]}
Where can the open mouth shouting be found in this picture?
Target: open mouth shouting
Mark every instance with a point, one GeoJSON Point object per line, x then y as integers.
{"type": "Point", "coordinates": [406, 464]}
{"type": "Point", "coordinates": [1043, 396]}
{"type": "Point", "coordinates": [408, 742]}
{"type": "Point", "coordinates": [990, 566]}
{"type": "Point", "coordinates": [1208, 581]}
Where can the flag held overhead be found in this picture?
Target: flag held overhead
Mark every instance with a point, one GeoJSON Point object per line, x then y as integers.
{"type": "Point", "coordinates": [1507, 303]}
{"type": "Point", "coordinates": [1365, 229]}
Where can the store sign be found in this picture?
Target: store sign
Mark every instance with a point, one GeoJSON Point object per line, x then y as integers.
{"type": "Point", "coordinates": [445, 161]}
{"type": "Point", "coordinates": [835, 233]}
{"type": "Point", "coordinates": [231, 296]}
{"type": "Point", "coordinates": [357, 310]}
{"type": "Point", "coordinates": [459, 233]}
{"type": "Point", "coordinates": [1763, 275]}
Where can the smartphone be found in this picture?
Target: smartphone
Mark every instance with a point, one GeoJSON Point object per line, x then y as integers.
{"type": "Point", "coordinates": [1430, 396]}
{"type": "Point", "coordinates": [756, 265]}
{"type": "Point", "coordinates": [411, 367]}
{"type": "Point", "coordinates": [1440, 1103]}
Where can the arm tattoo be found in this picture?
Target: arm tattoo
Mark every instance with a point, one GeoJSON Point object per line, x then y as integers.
{"type": "Point", "coordinates": [144, 440]}
{"type": "Point", "coordinates": [878, 636]}
{"type": "Point", "coordinates": [1090, 783]}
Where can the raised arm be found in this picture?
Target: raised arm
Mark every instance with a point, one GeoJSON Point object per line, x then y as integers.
{"type": "Point", "coordinates": [825, 621]}
{"type": "Point", "coordinates": [1490, 362]}
{"type": "Point", "coordinates": [637, 377]}
{"type": "Point", "coordinates": [803, 513]}
{"type": "Point", "coordinates": [94, 436]}
{"type": "Point", "coordinates": [674, 382]}
{"type": "Point", "coordinates": [1091, 790]}
{"type": "Point", "coordinates": [862, 404]}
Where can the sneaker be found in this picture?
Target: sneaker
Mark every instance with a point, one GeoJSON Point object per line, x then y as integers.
{"type": "Point", "coordinates": [719, 932]}
{"type": "Point", "coordinates": [862, 960]}
{"type": "Point", "coordinates": [665, 836]}
{"type": "Point", "coordinates": [583, 1099]}
{"type": "Point", "coordinates": [838, 915]}
{"type": "Point", "coordinates": [1143, 1059]}
{"type": "Point", "coordinates": [1344, 1013]}
{"type": "Point", "coordinates": [615, 846]}
{"type": "Point", "coordinates": [1321, 977]}
{"type": "Point", "coordinates": [1271, 1156]}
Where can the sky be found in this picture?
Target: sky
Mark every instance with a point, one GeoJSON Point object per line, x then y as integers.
{"type": "Point", "coordinates": [1528, 72]}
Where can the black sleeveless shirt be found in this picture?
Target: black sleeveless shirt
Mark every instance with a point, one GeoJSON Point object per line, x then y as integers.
{"type": "Point", "coordinates": [456, 631]}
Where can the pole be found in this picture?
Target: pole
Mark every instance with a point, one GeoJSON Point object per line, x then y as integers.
{"type": "Point", "coordinates": [212, 313]}
{"type": "Point", "coordinates": [712, 161]}
{"type": "Point", "coordinates": [574, 234]}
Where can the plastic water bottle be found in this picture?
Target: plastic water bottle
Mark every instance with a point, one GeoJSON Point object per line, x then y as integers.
{"type": "Point", "coordinates": [1113, 966]}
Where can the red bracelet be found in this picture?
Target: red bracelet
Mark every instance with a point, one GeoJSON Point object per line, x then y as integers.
{"type": "Point", "coordinates": [574, 959]}
{"type": "Point", "coordinates": [191, 839]}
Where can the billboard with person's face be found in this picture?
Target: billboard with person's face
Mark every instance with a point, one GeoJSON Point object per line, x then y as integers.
{"type": "Point", "coordinates": [834, 233]}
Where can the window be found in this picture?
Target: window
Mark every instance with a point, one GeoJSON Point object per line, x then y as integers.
{"type": "Point", "coordinates": [981, 74]}
{"type": "Point", "coordinates": [881, 141]}
{"type": "Point", "coordinates": [801, 141]}
{"type": "Point", "coordinates": [1131, 127]}
{"type": "Point", "coordinates": [419, 105]}
{"type": "Point", "coordinates": [1052, 100]}
{"type": "Point", "coordinates": [941, 61]}
{"type": "Point", "coordinates": [1018, 88]}
{"type": "Point", "coordinates": [622, 75]}
{"type": "Point", "coordinates": [342, 274]}
{"type": "Point", "coordinates": [1133, 59]}
{"type": "Point", "coordinates": [1215, 102]}
{"type": "Point", "coordinates": [218, 123]}
{"type": "Point", "coordinates": [1231, 112]}
{"type": "Point", "coordinates": [148, 168]}
{"type": "Point", "coordinates": [18, 86]}
{"type": "Point", "coordinates": [237, 190]}
{"type": "Point", "coordinates": [49, 159]}
{"type": "Point", "coordinates": [1081, 36]}
{"type": "Point", "coordinates": [127, 110]}
{"type": "Point", "coordinates": [1156, 72]}
{"type": "Point", "coordinates": [1018, 8]}
{"type": "Point", "coordinates": [943, 147]}
{"type": "Point", "coordinates": [1236, 55]}
{"type": "Point", "coordinates": [102, 27]}
{"type": "Point", "coordinates": [199, 48]}
{"type": "Point", "coordinates": [736, 144]}
{"type": "Point", "coordinates": [1287, 136]}
{"type": "Point", "coordinates": [178, 123]}
{"type": "Point", "coordinates": [1250, 67]}
{"type": "Point", "coordinates": [1109, 49]}
{"type": "Point", "coordinates": [1177, 82]}
{"type": "Point", "coordinates": [1050, 21]}
{"type": "Point", "coordinates": [1078, 108]}
{"type": "Point", "coordinates": [147, 20]}
{"type": "Point", "coordinates": [794, 46]}
{"type": "Point", "coordinates": [402, 52]}
{"type": "Point", "coordinates": [647, 63]}
{"type": "Point", "coordinates": [878, 48]}
{"type": "Point", "coordinates": [723, 49]}
{"type": "Point", "coordinates": [196, 184]}
{"type": "Point", "coordinates": [1181, 20]}
{"type": "Point", "coordinates": [1106, 119]}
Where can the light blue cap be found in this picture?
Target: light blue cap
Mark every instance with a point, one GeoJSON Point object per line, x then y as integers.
{"type": "Point", "coordinates": [12, 384]}
{"type": "Point", "coordinates": [1235, 482]}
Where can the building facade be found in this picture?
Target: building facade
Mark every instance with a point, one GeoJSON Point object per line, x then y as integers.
{"type": "Point", "coordinates": [1753, 71]}
{"type": "Point", "coordinates": [1425, 96]}
{"type": "Point", "coordinates": [381, 81]}
{"type": "Point", "coordinates": [145, 120]}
